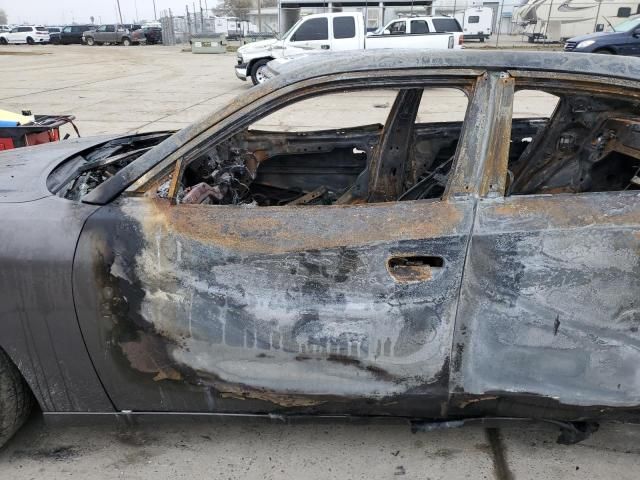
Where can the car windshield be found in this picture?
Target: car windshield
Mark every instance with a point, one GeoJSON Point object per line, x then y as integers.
{"type": "Point", "coordinates": [627, 25]}
{"type": "Point", "coordinates": [288, 32]}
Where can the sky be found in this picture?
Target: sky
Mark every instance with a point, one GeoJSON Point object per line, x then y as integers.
{"type": "Point", "coordinates": [60, 12]}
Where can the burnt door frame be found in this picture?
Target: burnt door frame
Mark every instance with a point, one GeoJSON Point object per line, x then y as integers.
{"type": "Point", "coordinates": [548, 306]}
{"type": "Point", "coordinates": [131, 252]}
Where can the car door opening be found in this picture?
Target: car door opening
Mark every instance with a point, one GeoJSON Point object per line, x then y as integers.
{"type": "Point", "coordinates": [405, 153]}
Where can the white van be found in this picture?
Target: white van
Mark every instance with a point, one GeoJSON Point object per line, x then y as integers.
{"type": "Point", "coordinates": [477, 23]}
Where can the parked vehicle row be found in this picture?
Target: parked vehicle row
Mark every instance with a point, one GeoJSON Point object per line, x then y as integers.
{"type": "Point", "coordinates": [125, 34]}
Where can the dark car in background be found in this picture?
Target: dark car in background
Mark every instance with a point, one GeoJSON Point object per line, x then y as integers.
{"type": "Point", "coordinates": [70, 34]}
{"type": "Point", "coordinates": [623, 40]}
{"type": "Point", "coordinates": [153, 35]}
{"type": "Point", "coordinates": [125, 34]}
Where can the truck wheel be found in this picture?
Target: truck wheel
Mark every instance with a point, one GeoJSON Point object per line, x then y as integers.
{"type": "Point", "coordinates": [257, 71]}
{"type": "Point", "coordinates": [3, 41]}
{"type": "Point", "coordinates": [126, 42]}
{"type": "Point", "coordinates": [90, 41]}
{"type": "Point", "coordinates": [30, 41]}
{"type": "Point", "coordinates": [15, 399]}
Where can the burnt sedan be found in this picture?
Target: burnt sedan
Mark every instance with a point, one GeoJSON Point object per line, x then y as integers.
{"type": "Point", "coordinates": [479, 269]}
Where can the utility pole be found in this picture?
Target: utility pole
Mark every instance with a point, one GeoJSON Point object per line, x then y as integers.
{"type": "Point", "coordinates": [546, 30]}
{"type": "Point", "coordinates": [280, 19]}
{"type": "Point", "coordinates": [201, 17]}
{"type": "Point", "coordinates": [186, 8]}
{"type": "Point", "coordinates": [259, 16]}
{"type": "Point", "coordinates": [155, 16]}
{"type": "Point", "coordinates": [172, 28]}
{"type": "Point", "coordinates": [499, 23]}
{"type": "Point", "coordinates": [119, 11]}
{"type": "Point", "coordinates": [195, 19]}
{"type": "Point", "coordinates": [595, 26]}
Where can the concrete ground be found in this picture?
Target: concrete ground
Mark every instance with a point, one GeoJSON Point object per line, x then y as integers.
{"type": "Point", "coordinates": [119, 89]}
{"type": "Point", "coordinates": [116, 89]}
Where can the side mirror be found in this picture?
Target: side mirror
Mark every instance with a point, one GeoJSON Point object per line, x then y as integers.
{"type": "Point", "coordinates": [386, 32]}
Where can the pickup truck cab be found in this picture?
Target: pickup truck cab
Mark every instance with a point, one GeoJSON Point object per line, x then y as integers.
{"type": "Point", "coordinates": [25, 34]}
{"type": "Point", "coordinates": [623, 40]}
{"type": "Point", "coordinates": [342, 31]}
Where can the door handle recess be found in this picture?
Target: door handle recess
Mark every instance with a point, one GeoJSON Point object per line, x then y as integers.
{"type": "Point", "coordinates": [414, 268]}
{"type": "Point", "coordinates": [324, 47]}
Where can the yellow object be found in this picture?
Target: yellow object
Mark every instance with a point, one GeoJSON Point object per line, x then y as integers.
{"type": "Point", "coordinates": [7, 116]}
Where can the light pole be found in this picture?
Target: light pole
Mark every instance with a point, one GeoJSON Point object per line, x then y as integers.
{"type": "Point", "coordinates": [119, 11]}
{"type": "Point", "coordinates": [155, 16]}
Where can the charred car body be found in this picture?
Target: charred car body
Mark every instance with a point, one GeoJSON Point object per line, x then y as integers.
{"type": "Point", "coordinates": [469, 270]}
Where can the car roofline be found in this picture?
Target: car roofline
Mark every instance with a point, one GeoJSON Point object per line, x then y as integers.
{"type": "Point", "coordinates": [320, 65]}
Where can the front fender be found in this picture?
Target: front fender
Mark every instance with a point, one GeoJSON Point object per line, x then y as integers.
{"type": "Point", "coordinates": [38, 325]}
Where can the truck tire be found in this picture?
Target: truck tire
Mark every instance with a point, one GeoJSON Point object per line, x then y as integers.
{"type": "Point", "coordinates": [257, 75]}
{"type": "Point", "coordinates": [3, 41]}
{"type": "Point", "coordinates": [16, 399]}
{"type": "Point", "coordinates": [30, 41]}
{"type": "Point", "coordinates": [126, 42]}
{"type": "Point", "coordinates": [90, 41]}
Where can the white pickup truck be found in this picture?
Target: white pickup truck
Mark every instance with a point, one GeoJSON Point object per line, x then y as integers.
{"type": "Point", "coordinates": [345, 31]}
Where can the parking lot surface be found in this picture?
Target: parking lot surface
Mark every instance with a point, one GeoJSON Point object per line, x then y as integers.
{"type": "Point", "coordinates": [120, 89]}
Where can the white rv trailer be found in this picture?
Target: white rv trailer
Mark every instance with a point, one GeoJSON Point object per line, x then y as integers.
{"type": "Point", "coordinates": [557, 20]}
{"type": "Point", "coordinates": [476, 22]}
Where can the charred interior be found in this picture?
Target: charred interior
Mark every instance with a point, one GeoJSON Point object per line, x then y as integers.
{"type": "Point", "coordinates": [587, 145]}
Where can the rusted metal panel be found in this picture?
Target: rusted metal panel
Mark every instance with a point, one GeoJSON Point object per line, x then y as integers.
{"type": "Point", "coordinates": [483, 145]}
{"type": "Point", "coordinates": [292, 306]}
{"type": "Point", "coordinates": [549, 302]}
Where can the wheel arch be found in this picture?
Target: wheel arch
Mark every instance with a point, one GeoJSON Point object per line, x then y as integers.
{"type": "Point", "coordinates": [27, 373]}
{"type": "Point", "coordinates": [253, 62]}
{"type": "Point", "coordinates": [608, 49]}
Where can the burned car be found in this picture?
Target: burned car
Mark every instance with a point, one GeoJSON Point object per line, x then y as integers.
{"type": "Point", "coordinates": [480, 269]}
